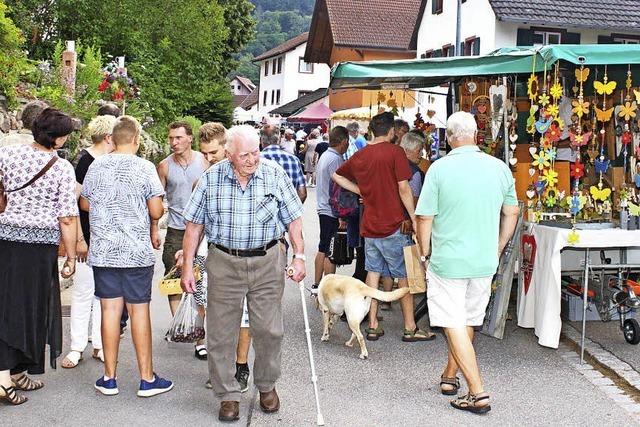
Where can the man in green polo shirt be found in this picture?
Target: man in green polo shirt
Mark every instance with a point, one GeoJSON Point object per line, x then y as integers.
{"type": "Point", "coordinates": [467, 213]}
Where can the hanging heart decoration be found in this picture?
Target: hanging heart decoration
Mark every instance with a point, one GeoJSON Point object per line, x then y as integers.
{"type": "Point", "coordinates": [529, 247]}
{"type": "Point", "coordinates": [533, 150]}
{"type": "Point", "coordinates": [513, 161]}
{"type": "Point", "coordinates": [513, 147]}
{"type": "Point", "coordinates": [532, 172]}
{"type": "Point", "coordinates": [513, 137]}
{"type": "Point", "coordinates": [531, 194]}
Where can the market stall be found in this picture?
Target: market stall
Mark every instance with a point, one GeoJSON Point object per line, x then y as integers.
{"type": "Point", "coordinates": [564, 117]}
{"type": "Point", "coordinates": [315, 113]}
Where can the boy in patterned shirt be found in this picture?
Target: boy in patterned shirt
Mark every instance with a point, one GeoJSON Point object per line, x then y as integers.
{"type": "Point", "coordinates": [123, 196]}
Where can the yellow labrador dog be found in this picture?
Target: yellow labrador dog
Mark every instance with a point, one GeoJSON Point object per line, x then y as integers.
{"type": "Point", "coordinates": [343, 294]}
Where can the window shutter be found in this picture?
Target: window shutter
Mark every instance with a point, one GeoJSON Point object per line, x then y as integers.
{"type": "Point", "coordinates": [423, 56]}
{"type": "Point", "coordinates": [476, 46]}
{"type": "Point", "coordinates": [461, 49]}
{"type": "Point", "coordinates": [605, 40]}
{"type": "Point", "coordinates": [525, 37]}
{"type": "Point", "coordinates": [437, 53]}
{"type": "Point", "coordinates": [571, 38]}
{"type": "Point", "coordinates": [434, 7]}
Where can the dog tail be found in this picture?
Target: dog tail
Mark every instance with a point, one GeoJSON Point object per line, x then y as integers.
{"type": "Point", "coordinates": [384, 296]}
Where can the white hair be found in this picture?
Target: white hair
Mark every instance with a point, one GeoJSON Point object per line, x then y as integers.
{"type": "Point", "coordinates": [412, 141]}
{"type": "Point", "coordinates": [461, 125]}
{"type": "Point", "coordinates": [101, 126]}
{"type": "Point", "coordinates": [241, 132]}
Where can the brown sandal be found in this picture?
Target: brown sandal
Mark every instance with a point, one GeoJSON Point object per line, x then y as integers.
{"type": "Point", "coordinates": [470, 403]}
{"type": "Point", "coordinates": [25, 383]}
{"type": "Point", "coordinates": [453, 382]}
{"type": "Point", "coordinates": [11, 396]}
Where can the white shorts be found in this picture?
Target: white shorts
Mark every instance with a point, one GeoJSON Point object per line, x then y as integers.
{"type": "Point", "coordinates": [457, 303]}
{"type": "Point", "coordinates": [244, 323]}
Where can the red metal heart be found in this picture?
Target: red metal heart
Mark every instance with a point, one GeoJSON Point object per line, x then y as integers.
{"type": "Point", "coordinates": [529, 247]}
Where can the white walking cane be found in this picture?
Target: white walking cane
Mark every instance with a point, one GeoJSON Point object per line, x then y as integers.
{"type": "Point", "coordinates": [314, 377]}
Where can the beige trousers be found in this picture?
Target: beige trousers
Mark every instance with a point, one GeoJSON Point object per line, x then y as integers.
{"type": "Point", "coordinates": [261, 279]}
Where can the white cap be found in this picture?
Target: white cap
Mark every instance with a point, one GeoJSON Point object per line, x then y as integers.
{"type": "Point", "coordinates": [289, 131]}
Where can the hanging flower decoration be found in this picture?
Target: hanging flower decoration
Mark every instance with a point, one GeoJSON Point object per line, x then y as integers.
{"type": "Point", "coordinates": [532, 87]}
{"type": "Point", "coordinates": [560, 123]}
{"type": "Point", "coordinates": [628, 110]}
{"type": "Point", "coordinates": [550, 177]}
{"type": "Point", "coordinates": [543, 99]}
{"type": "Point", "coordinates": [577, 170]}
{"type": "Point", "coordinates": [551, 199]}
{"type": "Point", "coordinates": [556, 91]}
{"type": "Point", "coordinates": [545, 144]}
{"type": "Point", "coordinates": [553, 134]}
{"type": "Point", "coordinates": [551, 153]}
{"type": "Point", "coordinates": [540, 160]}
{"type": "Point", "coordinates": [553, 110]}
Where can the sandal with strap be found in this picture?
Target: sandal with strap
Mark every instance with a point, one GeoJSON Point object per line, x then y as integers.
{"type": "Point", "coordinates": [11, 396]}
{"type": "Point", "coordinates": [417, 335]}
{"type": "Point", "coordinates": [72, 359]}
{"type": "Point", "coordinates": [470, 403]}
{"type": "Point", "coordinates": [374, 333]}
{"type": "Point", "coordinates": [98, 354]}
{"type": "Point", "coordinates": [25, 383]}
{"type": "Point", "coordinates": [453, 382]}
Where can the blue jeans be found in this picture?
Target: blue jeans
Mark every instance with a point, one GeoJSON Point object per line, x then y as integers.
{"type": "Point", "coordinates": [385, 255]}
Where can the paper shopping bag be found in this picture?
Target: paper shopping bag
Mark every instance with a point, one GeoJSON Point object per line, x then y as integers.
{"type": "Point", "coordinates": [416, 276]}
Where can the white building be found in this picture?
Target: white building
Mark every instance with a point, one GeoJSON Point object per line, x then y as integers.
{"type": "Point", "coordinates": [285, 76]}
{"type": "Point", "coordinates": [241, 86]}
{"type": "Point", "coordinates": [487, 25]}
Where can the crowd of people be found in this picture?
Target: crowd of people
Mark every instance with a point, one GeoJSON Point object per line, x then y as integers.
{"type": "Point", "coordinates": [231, 204]}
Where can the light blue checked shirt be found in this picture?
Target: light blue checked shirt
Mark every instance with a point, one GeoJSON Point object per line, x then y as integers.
{"type": "Point", "coordinates": [244, 219]}
{"type": "Point", "coordinates": [290, 163]}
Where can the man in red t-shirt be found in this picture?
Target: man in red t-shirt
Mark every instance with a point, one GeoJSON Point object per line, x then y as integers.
{"type": "Point", "coordinates": [380, 174]}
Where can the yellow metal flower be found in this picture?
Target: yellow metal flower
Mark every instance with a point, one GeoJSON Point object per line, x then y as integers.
{"type": "Point", "coordinates": [550, 177]}
{"type": "Point", "coordinates": [580, 108]}
{"type": "Point", "coordinates": [543, 100]}
{"type": "Point", "coordinates": [556, 91]}
{"type": "Point", "coordinates": [532, 87]}
{"type": "Point", "coordinates": [553, 110]}
{"type": "Point", "coordinates": [573, 237]}
{"type": "Point", "coordinates": [540, 160]}
{"type": "Point", "coordinates": [628, 110]}
{"type": "Point", "coordinates": [560, 123]}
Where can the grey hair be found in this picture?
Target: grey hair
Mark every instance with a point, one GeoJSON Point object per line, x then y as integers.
{"type": "Point", "coordinates": [353, 127]}
{"type": "Point", "coordinates": [412, 141]}
{"type": "Point", "coordinates": [31, 111]}
{"type": "Point", "coordinates": [241, 132]}
{"type": "Point", "coordinates": [461, 125]}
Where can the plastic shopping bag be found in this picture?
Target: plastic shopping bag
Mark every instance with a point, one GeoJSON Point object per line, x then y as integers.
{"type": "Point", "coordinates": [187, 325]}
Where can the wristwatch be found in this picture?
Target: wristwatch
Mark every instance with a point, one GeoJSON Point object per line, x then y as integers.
{"type": "Point", "coordinates": [300, 256]}
{"type": "Point", "coordinates": [424, 258]}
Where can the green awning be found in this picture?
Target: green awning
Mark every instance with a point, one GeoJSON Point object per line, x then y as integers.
{"type": "Point", "coordinates": [422, 73]}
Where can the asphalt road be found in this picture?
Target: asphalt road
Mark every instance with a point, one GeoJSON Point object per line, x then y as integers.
{"type": "Point", "coordinates": [397, 385]}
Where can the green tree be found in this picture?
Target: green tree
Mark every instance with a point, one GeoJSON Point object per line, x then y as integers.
{"type": "Point", "coordinates": [13, 62]}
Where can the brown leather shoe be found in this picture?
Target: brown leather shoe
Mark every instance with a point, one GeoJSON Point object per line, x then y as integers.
{"type": "Point", "coordinates": [229, 411]}
{"type": "Point", "coordinates": [269, 401]}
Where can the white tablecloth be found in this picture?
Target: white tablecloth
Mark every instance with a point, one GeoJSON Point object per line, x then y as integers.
{"type": "Point", "coordinates": [539, 308]}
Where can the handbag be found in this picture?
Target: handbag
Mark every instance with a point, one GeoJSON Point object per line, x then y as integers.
{"type": "Point", "coordinates": [343, 202]}
{"type": "Point", "coordinates": [339, 251]}
{"type": "Point", "coordinates": [3, 192]}
{"type": "Point", "coordinates": [170, 284]}
{"type": "Point", "coordinates": [416, 275]}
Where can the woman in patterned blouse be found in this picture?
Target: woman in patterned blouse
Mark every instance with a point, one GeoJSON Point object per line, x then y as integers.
{"type": "Point", "coordinates": [36, 219]}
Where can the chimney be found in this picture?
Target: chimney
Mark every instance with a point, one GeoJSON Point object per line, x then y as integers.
{"type": "Point", "coordinates": [69, 60]}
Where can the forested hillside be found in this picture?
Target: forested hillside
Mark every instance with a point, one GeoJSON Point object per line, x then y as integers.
{"type": "Point", "coordinates": [277, 21]}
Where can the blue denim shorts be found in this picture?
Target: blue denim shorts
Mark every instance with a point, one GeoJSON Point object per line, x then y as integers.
{"type": "Point", "coordinates": [385, 255]}
{"type": "Point", "coordinates": [132, 284]}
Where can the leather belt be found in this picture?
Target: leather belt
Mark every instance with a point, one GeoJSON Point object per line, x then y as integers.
{"type": "Point", "coordinates": [246, 253]}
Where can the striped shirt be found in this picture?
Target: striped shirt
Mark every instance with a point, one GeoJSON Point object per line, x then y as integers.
{"type": "Point", "coordinates": [244, 219]}
{"type": "Point", "coordinates": [289, 162]}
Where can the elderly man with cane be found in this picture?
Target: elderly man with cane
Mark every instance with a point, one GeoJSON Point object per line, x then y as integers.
{"type": "Point", "coordinates": [244, 205]}
{"type": "Point", "coordinates": [467, 213]}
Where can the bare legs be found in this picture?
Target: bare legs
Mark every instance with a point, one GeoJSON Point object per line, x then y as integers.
{"type": "Point", "coordinates": [140, 332]}
{"type": "Point", "coordinates": [463, 356]}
